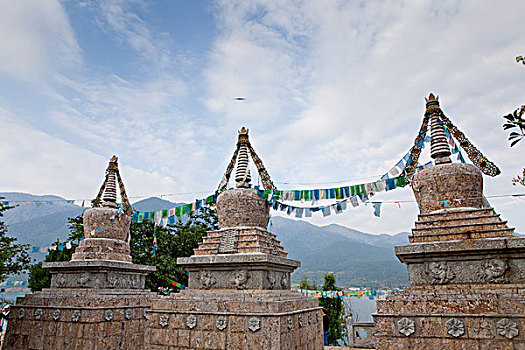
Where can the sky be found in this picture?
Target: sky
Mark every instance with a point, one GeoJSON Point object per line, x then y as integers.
{"type": "Point", "coordinates": [335, 94]}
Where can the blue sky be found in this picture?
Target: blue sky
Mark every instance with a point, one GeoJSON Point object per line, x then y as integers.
{"type": "Point", "coordinates": [334, 92]}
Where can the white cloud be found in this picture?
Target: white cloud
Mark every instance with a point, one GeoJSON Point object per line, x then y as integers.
{"type": "Point", "coordinates": [42, 164]}
{"type": "Point", "coordinates": [37, 39]}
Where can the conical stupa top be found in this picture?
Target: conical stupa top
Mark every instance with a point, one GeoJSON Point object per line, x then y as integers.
{"type": "Point", "coordinates": [240, 159]}
{"type": "Point", "coordinates": [107, 195]}
{"type": "Point", "coordinates": [439, 146]}
{"type": "Point", "coordinates": [109, 199]}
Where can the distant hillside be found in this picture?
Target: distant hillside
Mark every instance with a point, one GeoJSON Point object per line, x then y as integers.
{"type": "Point", "coordinates": [154, 204]}
{"type": "Point", "coordinates": [331, 249]}
{"type": "Point", "coordinates": [382, 240]}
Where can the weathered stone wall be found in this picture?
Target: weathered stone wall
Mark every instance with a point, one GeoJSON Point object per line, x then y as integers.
{"type": "Point", "coordinates": [235, 320]}
{"type": "Point", "coordinates": [453, 317]}
{"type": "Point", "coordinates": [79, 319]}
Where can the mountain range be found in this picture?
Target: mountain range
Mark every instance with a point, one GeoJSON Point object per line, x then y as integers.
{"type": "Point", "coordinates": [356, 258]}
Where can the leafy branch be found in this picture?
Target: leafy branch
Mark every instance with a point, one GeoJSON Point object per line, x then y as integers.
{"type": "Point", "coordinates": [515, 120]}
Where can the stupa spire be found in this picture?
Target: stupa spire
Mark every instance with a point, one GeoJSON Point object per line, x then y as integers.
{"type": "Point", "coordinates": [241, 159]}
{"type": "Point", "coordinates": [107, 195]}
{"type": "Point", "coordinates": [439, 148]}
{"type": "Point", "coordinates": [242, 176]}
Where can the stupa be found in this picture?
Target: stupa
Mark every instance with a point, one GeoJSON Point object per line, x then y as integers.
{"type": "Point", "coordinates": [239, 293]}
{"type": "Point", "coordinates": [97, 300]}
{"type": "Point", "coordinates": [466, 268]}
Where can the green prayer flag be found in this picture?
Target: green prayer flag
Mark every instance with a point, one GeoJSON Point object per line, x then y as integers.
{"type": "Point", "coordinates": [184, 209]}
{"type": "Point", "coordinates": [152, 216]}
{"type": "Point", "coordinates": [338, 194]}
{"type": "Point", "coordinates": [178, 212]}
{"type": "Point", "coordinates": [164, 214]}
{"type": "Point", "coordinates": [401, 181]}
{"type": "Point", "coordinates": [209, 200]}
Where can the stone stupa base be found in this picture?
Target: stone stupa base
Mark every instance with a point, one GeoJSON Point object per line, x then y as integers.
{"type": "Point", "coordinates": [453, 317]}
{"type": "Point", "coordinates": [239, 271]}
{"type": "Point", "coordinates": [235, 319]}
{"type": "Point", "coordinates": [467, 271]}
{"type": "Point", "coordinates": [79, 319]}
{"type": "Point", "coordinates": [90, 305]}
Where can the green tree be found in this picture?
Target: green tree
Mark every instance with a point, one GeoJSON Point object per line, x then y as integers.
{"type": "Point", "coordinates": [173, 241]}
{"type": "Point", "coordinates": [336, 311]}
{"type": "Point", "coordinates": [516, 122]}
{"type": "Point", "coordinates": [305, 285]}
{"type": "Point", "coordinates": [41, 278]}
{"type": "Point", "coordinates": [14, 257]}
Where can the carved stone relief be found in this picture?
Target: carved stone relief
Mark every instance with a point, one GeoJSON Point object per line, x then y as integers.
{"type": "Point", "coordinates": [164, 320]}
{"type": "Point", "coordinates": [309, 318]}
{"type": "Point", "coordinates": [56, 314]}
{"type": "Point", "coordinates": [207, 280]}
{"type": "Point", "coordinates": [75, 315]}
{"type": "Point", "coordinates": [60, 280]}
{"type": "Point", "coordinates": [239, 278]}
{"type": "Point", "coordinates": [455, 327]}
{"type": "Point", "coordinates": [38, 313]}
{"type": "Point", "coordinates": [406, 326]}
{"type": "Point", "coordinates": [191, 321]}
{"type": "Point", "coordinates": [272, 279]}
{"type": "Point", "coordinates": [221, 323]}
{"type": "Point", "coordinates": [285, 281]}
{"type": "Point", "coordinates": [83, 280]}
{"type": "Point", "coordinates": [493, 271]}
{"type": "Point", "coordinates": [112, 280]}
{"type": "Point", "coordinates": [507, 328]}
{"type": "Point", "coordinates": [21, 313]}
{"type": "Point", "coordinates": [108, 315]}
{"type": "Point", "coordinates": [289, 322]}
{"type": "Point", "coordinates": [128, 314]}
{"type": "Point", "coordinates": [254, 324]}
{"type": "Point", "coordinates": [300, 321]}
{"type": "Point", "coordinates": [439, 272]}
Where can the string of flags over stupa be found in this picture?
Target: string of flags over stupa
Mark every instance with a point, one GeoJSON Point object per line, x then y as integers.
{"type": "Point", "coordinates": [442, 147]}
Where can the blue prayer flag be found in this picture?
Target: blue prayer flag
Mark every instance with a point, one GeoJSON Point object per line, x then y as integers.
{"type": "Point", "coordinates": [390, 184]}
